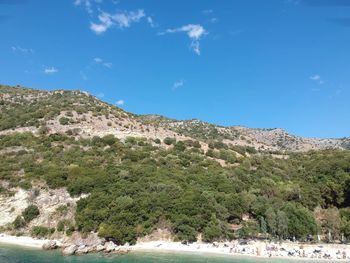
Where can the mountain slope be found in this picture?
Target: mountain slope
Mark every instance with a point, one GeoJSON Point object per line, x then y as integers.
{"type": "Point", "coordinates": [81, 114]}
{"type": "Point", "coordinates": [72, 164]}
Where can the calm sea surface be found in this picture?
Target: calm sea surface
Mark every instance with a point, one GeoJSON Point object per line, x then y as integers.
{"type": "Point", "coordinates": [14, 254]}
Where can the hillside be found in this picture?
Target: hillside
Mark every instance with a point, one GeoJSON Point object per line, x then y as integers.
{"type": "Point", "coordinates": [71, 164]}
{"type": "Point", "coordinates": [84, 115]}
{"type": "Point", "coordinates": [261, 139]}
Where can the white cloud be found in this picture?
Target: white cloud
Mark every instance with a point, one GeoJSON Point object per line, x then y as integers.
{"type": "Point", "coordinates": [107, 64]}
{"type": "Point", "coordinates": [317, 78]}
{"type": "Point", "coordinates": [22, 50]}
{"type": "Point", "coordinates": [121, 19]}
{"type": "Point", "coordinates": [86, 4]}
{"type": "Point", "coordinates": [120, 102]}
{"type": "Point", "coordinates": [207, 11]}
{"type": "Point", "coordinates": [50, 70]}
{"type": "Point", "coordinates": [194, 32]}
{"type": "Point", "coordinates": [178, 84]}
{"type": "Point", "coordinates": [98, 28]}
{"type": "Point", "coordinates": [150, 21]}
{"type": "Point", "coordinates": [100, 61]}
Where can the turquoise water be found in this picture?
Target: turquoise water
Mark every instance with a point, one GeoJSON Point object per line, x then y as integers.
{"type": "Point", "coordinates": [14, 254]}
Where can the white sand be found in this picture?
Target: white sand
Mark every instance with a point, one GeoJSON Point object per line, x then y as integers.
{"type": "Point", "coordinates": [22, 241]}
{"type": "Point", "coordinates": [257, 249]}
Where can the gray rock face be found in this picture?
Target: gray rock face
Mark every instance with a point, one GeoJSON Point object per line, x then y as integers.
{"type": "Point", "coordinates": [68, 251]}
{"type": "Point", "coordinates": [52, 244]}
{"type": "Point", "coordinates": [82, 250]}
{"type": "Point", "coordinates": [99, 248]}
{"type": "Point", "coordinates": [110, 246]}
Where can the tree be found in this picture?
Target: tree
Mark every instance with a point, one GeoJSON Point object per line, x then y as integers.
{"type": "Point", "coordinates": [270, 216]}
{"type": "Point", "coordinates": [180, 146]}
{"type": "Point", "coordinates": [282, 224]}
{"type": "Point", "coordinates": [157, 141]}
{"type": "Point", "coordinates": [169, 141]}
{"type": "Point", "coordinates": [263, 225]}
{"type": "Point", "coordinates": [212, 231]}
{"type": "Point", "coordinates": [301, 221]}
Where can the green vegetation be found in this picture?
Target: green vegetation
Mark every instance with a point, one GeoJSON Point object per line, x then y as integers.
{"type": "Point", "coordinates": [19, 222]}
{"type": "Point", "coordinates": [41, 231]}
{"type": "Point", "coordinates": [29, 107]}
{"type": "Point", "coordinates": [30, 213]}
{"type": "Point", "coordinates": [135, 187]}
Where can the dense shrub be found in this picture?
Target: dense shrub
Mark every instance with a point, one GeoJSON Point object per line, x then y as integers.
{"type": "Point", "coordinates": [41, 231]}
{"type": "Point", "coordinates": [19, 222]}
{"type": "Point", "coordinates": [30, 213]}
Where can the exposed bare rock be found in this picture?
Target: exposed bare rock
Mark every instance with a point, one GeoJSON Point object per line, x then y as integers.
{"type": "Point", "coordinates": [162, 234]}
{"type": "Point", "coordinates": [104, 119]}
{"type": "Point", "coordinates": [49, 245]}
{"type": "Point", "coordinates": [13, 206]}
{"type": "Point", "coordinates": [99, 248]}
{"type": "Point", "coordinates": [70, 250]}
{"type": "Point", "coordinates": [110, 246]}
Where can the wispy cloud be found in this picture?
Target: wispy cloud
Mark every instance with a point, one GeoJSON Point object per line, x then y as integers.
{"type": "Point", "coordinates": [316, 78]}
{"type": "Point", "coordinates": [86, 4]}
{"type": "Point", "coordinates": [178, 84]}
{"type": "Point", "coordinates": [194, 32]}
{"type": "Point", "coordinates": [207, 11]}
{"type": "Point", "coordinates": [150, 21]}
{"type": "Point", "coordinates": [50, 70]}
{"type": "Point", "coordinates": [120, 102]}
{"type": "Point", "coordinates": [22, 50]}
{"type": "Point", "coordinates": [100, 61]}
{"type": "Point", "coordinates": [122, 20]}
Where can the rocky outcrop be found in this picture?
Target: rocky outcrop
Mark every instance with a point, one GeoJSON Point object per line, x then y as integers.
{"type": "Point", "coordinates": [13, 206]}
{"type": "Point", "coordinates": [70, 250]}
{"type": "Point", "coordinates": [52, 244]}
{"type": "Point", "coordinates": [109, 247]}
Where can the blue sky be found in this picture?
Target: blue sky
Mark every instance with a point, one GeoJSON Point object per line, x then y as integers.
{"type": "Point", "coordinates": [275, 63]}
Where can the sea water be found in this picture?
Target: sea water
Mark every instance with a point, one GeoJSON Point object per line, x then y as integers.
{"type": "Point", "coordinates": [17, 254]}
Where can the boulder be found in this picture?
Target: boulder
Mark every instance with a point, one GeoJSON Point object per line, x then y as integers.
{"type": "Point", "coordinates": [110, 246]}
{"type": "Point", "coordinates": [51, 244]}
{"type": "Point", "coordinates": [99, 248]}
{"type": "Point", "coordinates": [82, 249]}
{"type": "Point", "coordinates": [70, 250]}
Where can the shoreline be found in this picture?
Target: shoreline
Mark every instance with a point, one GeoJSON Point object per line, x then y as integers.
{"type": "Point", "coordinates": [248, 250]}
{"type": "Point", "coordinates": [253, 249]}
{"type": "Point", "coordinates": [24, 241]}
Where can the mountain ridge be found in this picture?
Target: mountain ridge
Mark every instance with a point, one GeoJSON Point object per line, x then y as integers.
{"type": "Point", "coordinates": [83, 114]}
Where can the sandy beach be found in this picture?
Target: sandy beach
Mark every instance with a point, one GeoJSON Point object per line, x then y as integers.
{"type": "Point", "coordinates": [258, 249]}
{"type": "Point", "coordinates": [22, 241]}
